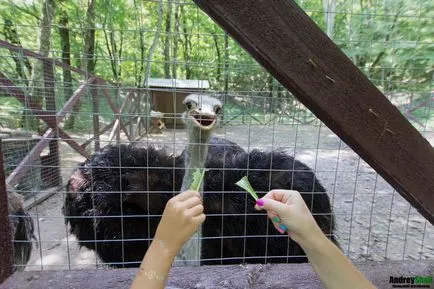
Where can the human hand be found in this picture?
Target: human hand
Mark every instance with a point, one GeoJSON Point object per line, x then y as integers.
{"type": "Point", "coordinates": [181, 218]}
{"type": "Point", "coordinates": [291, 210]}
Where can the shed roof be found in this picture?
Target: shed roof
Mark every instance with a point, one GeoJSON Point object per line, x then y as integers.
{"type": "Point", "coordinates": [178, 83]}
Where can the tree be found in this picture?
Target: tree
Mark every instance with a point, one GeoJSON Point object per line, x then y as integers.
{"type": "Point", "coordinates": [149, 63]}
{"type": "Point", "coordinates": [88, 55]}
{"type": "Point", "coordinates": [21, 62]}
{"type": "Point", "coordinates": [66, 53]}
{"type": "Point", "coordinates": [37, 82]}
{"type": "Point", "coordinates": [167, 40]}
{"type": "Point", "coordinates": [186, 43]}
{"type": "Point", "coordinates": [175, 42]}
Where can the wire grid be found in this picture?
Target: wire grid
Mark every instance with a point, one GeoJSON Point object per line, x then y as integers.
{"type": "Point", "coordinates": [373, 221]}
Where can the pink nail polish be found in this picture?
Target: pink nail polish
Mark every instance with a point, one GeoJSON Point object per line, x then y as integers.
{"type": "Point", "coordinates": [260, 202]}
{"type": "Point", "coordinates": [280, 230]}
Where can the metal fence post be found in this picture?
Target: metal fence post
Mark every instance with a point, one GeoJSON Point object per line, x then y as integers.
{"type": "Point", "coordinates": [6, 260]}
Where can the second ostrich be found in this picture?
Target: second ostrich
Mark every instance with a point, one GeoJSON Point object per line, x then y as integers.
{"type": "Point", "coordinates": [22, 230]}
{"type": "Point", "coordinates": [116, 198]}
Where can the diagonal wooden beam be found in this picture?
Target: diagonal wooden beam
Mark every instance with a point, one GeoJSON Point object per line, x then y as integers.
{"type": "Point", "coordinates": [105, 129]}
{"type": "Point", "coordinates": [24, 165]}
{"type": "Point", "coordinates": [115, 109]}
{"type": "Point", "coordinates": [29, 53]}
{"type": "Point", "coordinates": [79, 92]}
{"type": "Point", "coordinates": [36, 109]}
{"type": "Point", "coordinates": [73, 144]}
{"type": "Point", "coordinates": [284, 40]}
{"type": "Point", "coordinates": [119, 121]}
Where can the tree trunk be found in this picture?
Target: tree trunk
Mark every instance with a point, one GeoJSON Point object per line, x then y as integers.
{"type": "Point", "coordinates": [66, 54]}
{"type": "Point", "coordinates": [37, 83]}
{"type": "Point", "coordinates": [329, 16]}
{"type": "Point", "coordinates": [139, 71]}
{"type": "Point", "coordinates": [119, 53]}
{"type": "Point", "coordinates": [167, 40]}
{"type": "Point", "coordinates": [147, 104]}
{"type": "Point", "coordinates": [154, 44]}
{"type": "Point", "coordinates": [21, 62]}
{"type": "Point", "coordinates": [175, 42]}
{"type": "Point", "coordinates": [219, 57]}
{"type": "Point", "coordinates": [113, 52]}
{"type": "Point", "coordinates": [88, 58]}
{"type": "Point", "coordinates": [187, 45]}
{"type": "Point", "coordinates": [226, 63]}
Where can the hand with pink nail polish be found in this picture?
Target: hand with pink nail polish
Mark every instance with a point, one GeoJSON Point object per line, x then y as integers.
{"type": "Point", "coordinates": [334, 270]}
{"type": "Point", "coordinates": [291, 212]}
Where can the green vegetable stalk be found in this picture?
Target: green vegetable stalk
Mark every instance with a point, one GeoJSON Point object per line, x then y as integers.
{"type": "Point", "coordinates": [245, 184]}
{"type": "Point", "coordinates": [198, 176]}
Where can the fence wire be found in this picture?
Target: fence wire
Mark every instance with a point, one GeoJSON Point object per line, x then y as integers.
{"type": "Point", "coordinates": [100, 76]}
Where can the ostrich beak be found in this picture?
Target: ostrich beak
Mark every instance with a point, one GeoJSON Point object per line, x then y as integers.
{"type": "Point", "coordinates": [204, 121]}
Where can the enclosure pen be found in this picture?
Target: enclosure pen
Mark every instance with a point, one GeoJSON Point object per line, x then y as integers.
{"type": "Point", "coordinates": [110, 108]}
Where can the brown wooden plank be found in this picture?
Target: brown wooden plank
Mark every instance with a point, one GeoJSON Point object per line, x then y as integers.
{"type": "Point", "coordinates": [46, 116]}
{"type": "Point", "coordinates": [6, 249]}
{"type": "Point", "coordinates": [73, 144]}
{"type": "Point", "coordinates": [119, 121]}
{"type": "Point", "coordinates": [115, 129]}
{"type": "Point", "coordinates": [35, 55]}
{"type": "Point", "coordinates": [126, 101]}
{"type": "Point", "coordinates": [86, 143]}
{"type": "Point", "coordinates": [253, 276]}
{"type": "Point", "coordinates": [15, 91]}
{"type": "Point", "coordinates": [118, 133]}
{"type": "Point", "coordinates": [284, 40]}
{"type": "Point", "coordinates": [24, 165]}
{"type": "Point", "coordinates": [15, 176]}
{"type": "Point", "coordinates": [107, 96]}
{"type": "Point", "coordinates": [95, 117]}
{"type": "Point", "coordinates": [115, 109]}
{"type": "Point", "coordinates": [78, 93]}
{"type": "Point", "coordinates": [52, 160]}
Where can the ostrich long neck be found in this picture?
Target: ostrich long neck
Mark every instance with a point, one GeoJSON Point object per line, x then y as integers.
{"type": "Point", "coordinates": [195, 157]}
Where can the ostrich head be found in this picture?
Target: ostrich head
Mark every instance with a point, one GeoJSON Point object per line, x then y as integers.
{"type": "Point", "coordinates": [200, 116]}
{"type": "Point", "coordinates": [200, 119]}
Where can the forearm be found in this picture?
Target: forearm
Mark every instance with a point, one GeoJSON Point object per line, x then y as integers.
{"type": "Point", "coordinates": [332, 267]}
{"type": "Point", "coordinates": [155, 267]}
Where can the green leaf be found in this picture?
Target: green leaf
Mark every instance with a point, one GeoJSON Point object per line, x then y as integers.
{"type": "Point", "coordinates": [198, 176]}
{"type": "Point", "coordinates": [245, 184]}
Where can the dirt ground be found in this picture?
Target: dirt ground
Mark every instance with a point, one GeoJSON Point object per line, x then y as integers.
{"type": "Point", "coordinates": [373, 221]}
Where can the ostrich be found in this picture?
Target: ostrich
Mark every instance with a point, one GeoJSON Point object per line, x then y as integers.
{"type": "Point", "coordinates": [115, 199]}
{"type": "Point", "coordinates": [200, 119]}
{"type": "Point", "coordinates": [130, 169]}
{"type": "Point", "coordinates": [22, 230]}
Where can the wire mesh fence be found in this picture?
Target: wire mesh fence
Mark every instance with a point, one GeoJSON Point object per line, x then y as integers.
{"type": "Point", "coordinates": [102, 76]}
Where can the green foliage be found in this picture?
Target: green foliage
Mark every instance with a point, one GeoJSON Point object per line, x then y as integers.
{"type": "Point", "coordinates": [9, 106]}
{"type": "Point", "coordinates": [389, 40]}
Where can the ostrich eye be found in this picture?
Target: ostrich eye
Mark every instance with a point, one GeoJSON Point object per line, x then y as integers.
{"type": "Point", "coordinates": [217, 110]}
{"type": "Point", "coordinates": [190, 105]}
